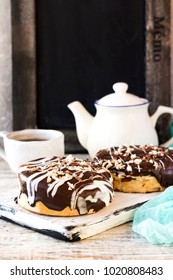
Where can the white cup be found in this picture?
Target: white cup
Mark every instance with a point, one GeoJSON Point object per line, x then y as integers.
{"type": "Point", "coordinates": [29, 144]}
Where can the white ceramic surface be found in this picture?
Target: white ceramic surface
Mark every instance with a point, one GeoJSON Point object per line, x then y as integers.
{"type": "Point", "coordinates": [28, 144]}
{"type": "Point", "coordinates": [121, 119]}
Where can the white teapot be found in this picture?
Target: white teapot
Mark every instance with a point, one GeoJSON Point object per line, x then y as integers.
{"type": "Point", "coordinates": [121, 118]}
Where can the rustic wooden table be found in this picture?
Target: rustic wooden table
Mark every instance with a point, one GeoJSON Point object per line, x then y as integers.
{"type": "Point", "coordinates": [121, 243]}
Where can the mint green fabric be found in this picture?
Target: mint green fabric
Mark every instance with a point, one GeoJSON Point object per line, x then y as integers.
{"type": "Point", "coordinates": [154, 219]}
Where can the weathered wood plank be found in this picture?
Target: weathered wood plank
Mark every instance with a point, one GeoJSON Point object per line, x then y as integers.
{"type": "Point", "coordinates": [24, 64]}
{"type": "Point", "coordinates": [5, 66]}
{"type": "Point", "coordinates": [158, 67]}
{"type": "Point", "coordinates": [120, 211]}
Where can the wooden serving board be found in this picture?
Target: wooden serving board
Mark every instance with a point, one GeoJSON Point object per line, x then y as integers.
{"type": "Point", "coordinates": [120, 211]}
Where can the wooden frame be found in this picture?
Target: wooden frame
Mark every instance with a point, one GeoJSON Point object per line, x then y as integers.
{"type": "Point", "coordinates": [24, 63]}
{"type": "Point", "coordinates": [5, 66]}
{"type": "Point", "coordinates": [158, 61]}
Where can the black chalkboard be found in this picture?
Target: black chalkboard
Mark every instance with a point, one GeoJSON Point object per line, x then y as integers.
{"type": "Point", "coordinates": [83, 48]}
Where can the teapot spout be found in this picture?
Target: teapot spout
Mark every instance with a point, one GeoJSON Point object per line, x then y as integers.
{"type": "Point", "coordinates": [83, 120]}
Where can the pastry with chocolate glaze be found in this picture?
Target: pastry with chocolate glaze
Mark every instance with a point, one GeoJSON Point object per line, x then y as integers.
{"type": "Point", "coordinates": [64, 186]}
{"type": "Point", "coordinates": [139, 168]}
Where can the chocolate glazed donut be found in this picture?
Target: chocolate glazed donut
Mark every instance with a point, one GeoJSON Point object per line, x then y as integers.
{"type": "Point", "coordinates": [64, 186]}
{"type": "Point", "coordinates": [139, 168]}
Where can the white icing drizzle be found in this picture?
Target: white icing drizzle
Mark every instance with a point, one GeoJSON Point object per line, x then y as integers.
{"type": "Point", "coordinates": [104, 194]}
{"type": "Point", "coordinates": [162, 163]}
{"type": "Point", "coordinates": [169, 158]}
{"type": "Point", "coordinates": [30, 185]}
{"type": "Point", "coordinates": [56, 173]}
{"type": "Point", "coordinates": [55, 185]}
{"type": "Point", "coordinates": [153, 156]}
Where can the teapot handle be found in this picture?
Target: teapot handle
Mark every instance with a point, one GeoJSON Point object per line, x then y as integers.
{"type": "Point", "coordinates": [161, 110]}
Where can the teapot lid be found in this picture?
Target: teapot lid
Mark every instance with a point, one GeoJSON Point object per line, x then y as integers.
{"type": "Point", "coordinates": [121, 97]}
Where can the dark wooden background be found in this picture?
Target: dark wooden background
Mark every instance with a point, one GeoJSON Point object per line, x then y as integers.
{"type": "Point", "coordinates": [75, 50]}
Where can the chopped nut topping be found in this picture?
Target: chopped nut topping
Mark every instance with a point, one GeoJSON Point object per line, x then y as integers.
{"type": "Point", "coordinates": [71, 186]}
{"type": "Point", "coordinates": [49, 179]}
{"type": "Point", "coordinates": [133, 156]}
{"type": "Point", "coordinates": [137, 161]}
{"type": "Point", "coordinates": [129, 168]}
{"type": "Point", "coordinates": [137, 158]}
